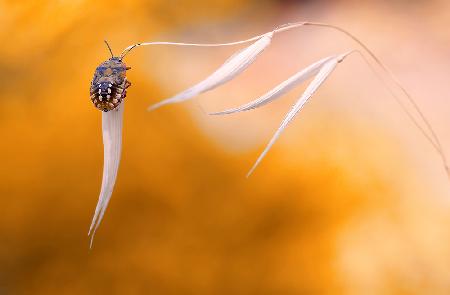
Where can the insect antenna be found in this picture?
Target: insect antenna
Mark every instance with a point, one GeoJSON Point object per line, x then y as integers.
{"type": "Point", "coordinates": [110, 50]}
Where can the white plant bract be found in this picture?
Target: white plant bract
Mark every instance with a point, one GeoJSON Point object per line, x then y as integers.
{"type": "Point", "coordinates": [112, 123]}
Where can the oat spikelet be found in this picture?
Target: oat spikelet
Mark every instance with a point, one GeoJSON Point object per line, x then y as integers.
{"type": "Point", "coordinates": [325, 71]}
{"type": "Point", "coordinates": [230, 69]}
{"type": "Point", "coordinates": [281, 89]}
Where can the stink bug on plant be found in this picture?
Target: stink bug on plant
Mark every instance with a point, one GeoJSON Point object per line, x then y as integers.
{"type": "Point", "coordinates": [109, 85]}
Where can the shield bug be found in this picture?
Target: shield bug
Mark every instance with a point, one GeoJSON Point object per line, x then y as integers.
{"type": "Point", "coordinates": [109, 84]}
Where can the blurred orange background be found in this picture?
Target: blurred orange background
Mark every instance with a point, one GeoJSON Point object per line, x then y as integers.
{"type": "Point", "coordinates": [351, 200]}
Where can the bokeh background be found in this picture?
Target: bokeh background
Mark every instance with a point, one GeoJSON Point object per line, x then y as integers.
{"type": "Point", "coordinates": [351, 200]}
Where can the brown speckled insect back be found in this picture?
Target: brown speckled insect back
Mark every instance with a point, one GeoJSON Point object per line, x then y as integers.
{"type": "Point", "coordinates": [109, 85]}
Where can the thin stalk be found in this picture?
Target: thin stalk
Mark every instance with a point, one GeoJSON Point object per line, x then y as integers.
{"type": "Point", "coordinates": [386, 70]}
{"type": "Point", "coordinates": [411, 117]}
{"type": "Point", "coordinates": [436, 143]}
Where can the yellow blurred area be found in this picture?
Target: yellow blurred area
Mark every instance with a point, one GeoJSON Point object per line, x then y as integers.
{"type": "Point", "coordinates": [351, 200]}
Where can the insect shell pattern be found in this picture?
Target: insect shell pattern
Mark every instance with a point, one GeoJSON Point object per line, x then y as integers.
{"type": "Point", "coordinates": [109, 85]}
